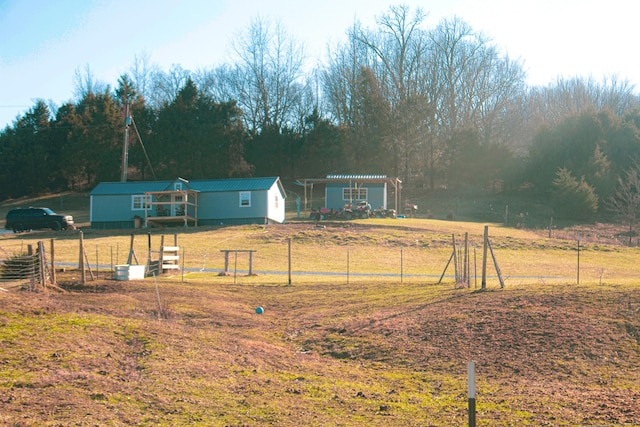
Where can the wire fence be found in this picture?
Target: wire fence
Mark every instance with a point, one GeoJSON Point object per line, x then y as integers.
{"type": "Point", "coordinates": [283, 261]}
{"type": "Point", "coordinates": [26, 268]}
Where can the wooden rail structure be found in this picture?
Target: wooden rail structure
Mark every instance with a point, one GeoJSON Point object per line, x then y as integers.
{"type": "Point", "coordinates": [170, 207]}
{"type": "Point", "coordinates": [236, 251]}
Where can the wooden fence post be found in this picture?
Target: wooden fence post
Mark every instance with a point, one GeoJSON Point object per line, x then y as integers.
{"type": "Point", "coordinates": [446, 266]}
{"type": "Point", "coordinates": [495, 263]}
{"type": "Point", "coordinates": [455, 259]}
{"type": "Point", "coordinates": [578, 266]}
{"type": "Point", "coordinates": [161, 256]}
{"type": "Point", "coordinates": [41, 265]}
{"type": "Point", "coordinates": [32, 282]}
{"type": "Point", "coordinates": [465, 275]}
{"type": "Point", "coordinates": [484, 257]}
{"type": "Point", "coordinates": [53, 263]}
{"type": "Point", "coordinates": [83, 274]}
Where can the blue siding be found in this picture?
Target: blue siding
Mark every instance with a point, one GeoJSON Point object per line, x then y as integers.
{"type": "Point", "coordinates": [225, 205]}
{"type": "Point", "coordinates": [376, 194]}
{"type": "Point", "coordinates": [112, 208]}
{"type": "Point", "coordinates": [218, 201]}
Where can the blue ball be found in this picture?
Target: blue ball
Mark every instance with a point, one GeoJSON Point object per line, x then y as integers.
{"type": "Point", "coordinates": [259, 310]}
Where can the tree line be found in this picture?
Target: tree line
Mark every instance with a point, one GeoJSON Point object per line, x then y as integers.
{"type": "Point", "coordinates": [438, 107]}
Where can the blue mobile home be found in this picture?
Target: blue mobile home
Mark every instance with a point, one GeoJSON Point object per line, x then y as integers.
{"type": "Point", "coordinates": [122, 205]}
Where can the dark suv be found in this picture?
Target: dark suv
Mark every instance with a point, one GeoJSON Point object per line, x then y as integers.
{"type": "Point", "coordinates": [22, 219]}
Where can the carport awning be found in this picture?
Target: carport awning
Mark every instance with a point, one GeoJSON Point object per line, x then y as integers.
{"type": "Point", "coordinates": [351, 180]}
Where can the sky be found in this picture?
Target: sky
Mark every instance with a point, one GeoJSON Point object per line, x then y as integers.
{"type": "Point", "coordinates": [44, 43]}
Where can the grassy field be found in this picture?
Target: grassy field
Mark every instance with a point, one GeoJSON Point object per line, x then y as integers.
{"type": "Point", "coordinates": [364, 335]}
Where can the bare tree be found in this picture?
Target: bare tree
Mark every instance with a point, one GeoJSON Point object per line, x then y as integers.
{"type": "Point", "coordinates": [437, 85]}
{"type": "Point", "coordinates": [85, 83]}
{"type": "Point", "coordinates": [341, 76]}
{"type": "Point", "coordinates": [551, 104]}
{"type": "Point", "coordinates": [142, 72]}
{"type": "Point", "coordinates": [625, 203]}
{"type": "Point", "coordinates": [356, 101]}
{"type": "Point", "coordinates": [476, 81]}
{"type": "Point", "coordinates": [476, 89]}
{"type": "Point", "coordinates": [374, 85]}
{"type": "Point", "coordinates": [305, 103]}
{"type": "Point", "coordinates": [206, 81]}
{"type": "Point", "coordinates": [399, 47]}
{"type": "Point", "coordinates": [267, 76]}
{"type": "Point", "coordinates": [165, 86]}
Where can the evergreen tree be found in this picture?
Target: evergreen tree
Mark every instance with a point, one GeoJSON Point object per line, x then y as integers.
{"type": "Point", "coordinates": [572, 198]}
{"type": "Point", "coordinates": [197, 138]}
{"type": "Point", "coordinates": [28, 159]}
{"type": "Point", "coordinates": [98, 137]}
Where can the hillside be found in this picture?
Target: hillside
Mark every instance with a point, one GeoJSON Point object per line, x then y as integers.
{"type": "Point", "coordinates": [325, 352]}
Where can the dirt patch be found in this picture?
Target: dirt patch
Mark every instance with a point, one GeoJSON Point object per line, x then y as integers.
{"type": "Point", "coordinates": [575, 348]}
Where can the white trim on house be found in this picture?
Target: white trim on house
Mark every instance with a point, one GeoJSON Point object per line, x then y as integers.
{"type": "Point", "coordinates": [244, 198]}
{"type": "Point", "coordinates": [140, 202]}
{"type": "Point", "coordinates": [356, 193]}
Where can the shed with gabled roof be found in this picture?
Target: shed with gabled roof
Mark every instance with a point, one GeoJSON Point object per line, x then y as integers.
{"type": "Point", "coordinates": [122, 205]}
{"type": "Point", "coordinates": [340, 190]}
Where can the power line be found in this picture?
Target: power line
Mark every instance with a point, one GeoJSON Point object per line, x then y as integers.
{"type": "Point", "coordinates": [143, 149]}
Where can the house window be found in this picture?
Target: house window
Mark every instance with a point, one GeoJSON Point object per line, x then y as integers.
{"type": "Point", "coordinates": [140, 202]}
{"type": "Point", "coordinates": [355, 193]}
{"type": "Point", "coordinates": [276, 200]}
{"type": "Point", "coordinates": [245, 199]}
{"type": "Point", "coordinates": [177, 186]}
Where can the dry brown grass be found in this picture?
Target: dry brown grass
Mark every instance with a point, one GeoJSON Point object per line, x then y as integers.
{"type": "Point", "coordinates": [321, 354]}
{"type": "Point", "coordinates": [374, 351]}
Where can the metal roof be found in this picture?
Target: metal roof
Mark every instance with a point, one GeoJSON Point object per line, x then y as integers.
{"type": "Point", "coordinates": [233, 184]}
{"type": "Point", "coordinates": [343, 177]}
{"type": "Point", "coordinates": [350, 178]}
{"type": "Point", "coordinates": [207, 186]}
{"type": "Point", "coordinates": [130, 187]}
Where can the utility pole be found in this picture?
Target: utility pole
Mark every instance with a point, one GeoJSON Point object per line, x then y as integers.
{"type": "Point", "coordinates": [125, 146]}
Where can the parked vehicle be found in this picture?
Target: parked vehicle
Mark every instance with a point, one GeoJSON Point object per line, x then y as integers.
{"type": "Point", "coordinates": [348, 212]}
{"type": "Point", "coordinates": [384, 213]}
{"type": "Point", "coordinates": [330, 214]}
{"type": "Point", "coordinates": [37, 218]}
{"type": "Point", "coordinates": [363, 210]}
{"type": "Point", "coordinates": [410, 209]}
